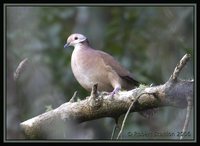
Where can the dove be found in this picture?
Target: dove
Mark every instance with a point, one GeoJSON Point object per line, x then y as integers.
{"type": "Point", "coordinates": [91, 66]}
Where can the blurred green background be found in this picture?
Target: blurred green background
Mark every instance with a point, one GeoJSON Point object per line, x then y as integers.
{"type": "Point", "coordinates": [147, 40]}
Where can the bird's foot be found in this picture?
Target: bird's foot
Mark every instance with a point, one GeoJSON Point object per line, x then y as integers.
{"type": "Point", "coordinates": [116, 90]}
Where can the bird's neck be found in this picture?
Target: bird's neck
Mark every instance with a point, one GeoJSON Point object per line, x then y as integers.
{"type": "Point", "coordinates": [85, 44]}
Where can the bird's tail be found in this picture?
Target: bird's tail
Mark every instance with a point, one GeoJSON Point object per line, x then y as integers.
{"type": "Point", "coordinates": [131, 81]}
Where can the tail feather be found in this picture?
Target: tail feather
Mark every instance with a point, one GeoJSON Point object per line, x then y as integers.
{"type": "Point", "coordinates": [131, 80]}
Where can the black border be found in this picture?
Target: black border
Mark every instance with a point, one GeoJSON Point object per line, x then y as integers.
{"type": "Point", "coordinates": [94, 4]}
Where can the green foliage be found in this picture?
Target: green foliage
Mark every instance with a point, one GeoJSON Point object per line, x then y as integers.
{"type": "Point", "coordinates": [48, 108]}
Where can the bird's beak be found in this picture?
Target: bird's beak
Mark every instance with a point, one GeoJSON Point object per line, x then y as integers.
{"type": "Point", "coordinates": [66, 45]}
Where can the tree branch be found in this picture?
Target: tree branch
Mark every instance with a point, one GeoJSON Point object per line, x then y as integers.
{"type": "Point", "coordinates": [180, 66]}
{"type": "Point", "coordinates": [20, 68]}
{"type": "Point", "coordinates": [99, 105]}
{"type": "Point", "coordinates": [189, 108]}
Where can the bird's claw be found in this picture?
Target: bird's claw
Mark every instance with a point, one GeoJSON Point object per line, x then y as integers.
{"type": "Point", "coordinates": [115, 91]}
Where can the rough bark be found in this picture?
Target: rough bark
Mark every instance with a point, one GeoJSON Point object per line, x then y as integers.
{"type": "Point", "coordinates": [174, 93]}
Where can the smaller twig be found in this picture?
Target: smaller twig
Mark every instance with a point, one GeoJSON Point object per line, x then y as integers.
{"type": "Point", "coordinates": [94, 94]}
{"type": "Point", "coordinates": [94, 101]}
{"type": "Point", "coordinates": [134, 101]}
{"type": "Point", "coordinates": [122, 127]}
{"type": "Point", "coordinates": [113, 132]}
{"type": "Point", "coordinates": [20, 68]}
{"type": "Point", "coordinates": [73, 97]}
{"type": "Point", "coordinates": [189, 108]}
{"type": "Point", "coordinates": [179, 67]}
{"type": "Point", "coordinates": [118, 125]}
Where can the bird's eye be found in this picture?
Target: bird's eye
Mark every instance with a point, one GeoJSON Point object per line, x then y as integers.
{"type": "Point", "coordinates": [76, 38]}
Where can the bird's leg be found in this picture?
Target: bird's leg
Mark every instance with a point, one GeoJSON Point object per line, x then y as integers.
{"type": "Point", "coordinates": [116, 90]}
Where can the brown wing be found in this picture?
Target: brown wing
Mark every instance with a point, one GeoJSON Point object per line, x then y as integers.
{"type": "Point", "coordinates": [119, 69]}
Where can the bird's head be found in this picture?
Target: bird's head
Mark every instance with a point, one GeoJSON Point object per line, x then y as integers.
{"type": "Point", "coordinates": [75, 39]}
